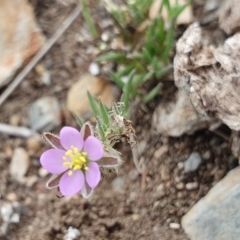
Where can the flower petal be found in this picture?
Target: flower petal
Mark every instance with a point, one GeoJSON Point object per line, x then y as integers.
{"type": "Point", "coordinates": [53, 181]}
{"type": "Point", "coordinates": [108, 162]}
{"type": "Point", "coordinates": [93, 175]}
{"type": "Point", "coordinates": [52, 160]}
{"type": "Point", "coordinates": [94, 148]}
{"type": "Point", "coordinates": [87, 130]}
{"type": "Point", "coordinates": [53, 140]}
{"type": "Point", "coordinates": [70, 185]}
{"type": "Point", "coordinates": [71, 137]}
{"type": "Point", "coordinates": [86, 191]}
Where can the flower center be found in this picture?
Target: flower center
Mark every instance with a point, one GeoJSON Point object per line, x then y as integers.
{"type": "Point", "coordinates": [75, 160]}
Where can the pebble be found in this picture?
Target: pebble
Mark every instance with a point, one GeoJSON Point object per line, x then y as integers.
{"type": "Point", "coordinates": [192, 163]}
{"type": "Point", "coordinates": [30, 181]}
{"type": "Point", "coordinates": [11, 197]}
{"type": "Point", "coordinates": [216, 216]}
{"type": "Point", "coordinates": [19, 164]}
{"type": "Point", "coordinates": [133, 174]}
{"type": "Point", "coordinates": [94, 69]}
{"type": "Point", "coordinates": [161, 151]}
{"type": "Point", "coordinates": [72, 233]}
{"type": "Point", "coordinates": [192, 186]}
{"type": "Point", "coordinates": [42, 172]}
{"type": "Point", "coordinates": [118, 184]}
{"type": "Point", "coordinates": [33, 144]}
{"type": "Point", "coordinates": [77, 99]}
{"type": "Point", "coordinates": [45, 114]}
{"type": "Point", "coordinates": [180, 186]}
{"type": "Point", "coordinates": [180, 165]}
{"type": "Point", "coordinates": [174, 225]}
{"type": "Point", "coordinates": [15, 119]}
{"type": "Point", "coordinates": [135, 217]}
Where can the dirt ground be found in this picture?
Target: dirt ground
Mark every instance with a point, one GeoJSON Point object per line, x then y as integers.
{"type": "Point", "coordinates": [145, 205]}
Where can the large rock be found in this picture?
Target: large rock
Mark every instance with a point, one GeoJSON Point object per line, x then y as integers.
{"type": "Point", "coordinates": [77, 100]}
{"type": "Point", "coordinates": [216, 216]}
{"type": "Point", "coordinates": [20, 37]}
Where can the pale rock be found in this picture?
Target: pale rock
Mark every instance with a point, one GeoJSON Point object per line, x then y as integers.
{"type": "Point", "coordinates": [161, 151]}
{"type": "Point", "coordinates": [34, 144]}
{"type": "Point", "coordinates": [118, 184]}
{"type": "Point", "coordinates": [11, 197]}
{"type": "Point", "coordinates": [192, 186]}
{"type": "Point", "coordinates": [20, 37]}
{"type": "Point", "coordinates": [192, 163]}
{"type": "Point", "coordinates": [45, 114]}
{"type": "Point", "coordinates": [6, 211]}
{"type": "Point", "coordinates": [72, 233]}
{"type": "Point", "coordinates": [19, 164]}
{"type": "Point", "coordinates": [216, 216]}
{"type": "Point", "coordinates": [15, 218]}
{"type": "Point", "coordinates": [77, 100]}
{"type": "Point", "coordinates": [180, 186]}
{"type": "Point", "coordinates": [174, 225]}
{"type": "Point", "coordinates": [42, 172]}
{"type": "Point", "coordinates": [179, 117]}
{"type": "Point", "coordinates": [15, 119]}
{"type": "Point", "coordinates": [94, 69]}
{"type": "Point", "coordinates": [30, 181]}
{"type": "Point", "coordinates": [44, 73]}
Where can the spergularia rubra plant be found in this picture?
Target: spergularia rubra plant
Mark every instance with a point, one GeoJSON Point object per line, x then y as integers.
{"type": "Point", "coordinates": [78, 157]}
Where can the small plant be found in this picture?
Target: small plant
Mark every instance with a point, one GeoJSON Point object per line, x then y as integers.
{"type": "Point", "coordinates": [150, 42]}
{"type": "Point", "coordinates": [78, 157]}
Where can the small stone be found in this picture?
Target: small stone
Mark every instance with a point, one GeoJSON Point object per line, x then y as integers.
{"type": "Point", "coordinates": [164, 172]}
{"type": "Point", "coordinates": [105, 36]}
{"type": "Point", "coordinates": [192, 186]}
{"type": "Point", "coordinates": [94, 69]}
{"type": "Point", "coordinates": [19, 164]}
{"type": "Point", "coordinates": [77, 99]}
{"type": "Point", "coordinates": [20, 37]}
{"type": "Point", "coordinates": [216, 216]}
{"type": "Point", "coordinates": [161, 151]}
{"type": "Point", "coordinates": [174, 225]}
{"type": "Point", "coordinates": [180, 165]}
{"type": "Point", "coordinates": [207, 155]}
{"type": "Point", "coordinates": [6, 211]}
{"type": "Point", "coordinates": [45, 114]}
{"type": "Point", "coordinates": [156, 205]}
{"type": "Point", "coordinates": [72, 233]}
{"type": "Point", "coordinates": [11, 197]}
{"type": "Point", "coordinates": [135, 217]}
{"type": "Point", "coordinates": [192, 163]}
{"type": "Point", "coordinates": [15, 119]}
{"type": "Point", "coordinates": [133, 174]}
{"type": "Point", "coordinates": [180, 186]}
{"type": "Point", "coordinates": [42, 172]}
{"type": "Point", "coordinates": [30, 181]}
{"type": "Point", "coordinates": [34, 144]}
{"type": "Point", "coordinates": [15, 218]}
{"type": "Point", "coordinates": [118, 184]}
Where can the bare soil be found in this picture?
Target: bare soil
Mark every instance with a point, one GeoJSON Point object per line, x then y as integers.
{"type": "Point", "coordinates": [146, 204]}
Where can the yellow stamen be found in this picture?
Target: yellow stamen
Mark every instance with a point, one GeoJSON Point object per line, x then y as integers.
{"type": "Point", "coordinates": [75, 160]}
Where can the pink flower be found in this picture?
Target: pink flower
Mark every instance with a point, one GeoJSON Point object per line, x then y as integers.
{"type": "Point", "coordinates": [75, 161]}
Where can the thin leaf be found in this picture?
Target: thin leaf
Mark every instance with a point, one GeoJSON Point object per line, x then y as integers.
{"type": "Point", "coordinates": [111, 56]}
{"type": "Point", "coordinates": [117, 79]}
{"type": "Point", "coordinates": [104, 113]}
{"type": "Point", "coordinates": [152, 94]}
{"type": "Point", "coordinates": [100, 129]}
{"type": "Point", "coordinates": [78, 120]}
{"type": "Point", "coordinates": [93, 104]}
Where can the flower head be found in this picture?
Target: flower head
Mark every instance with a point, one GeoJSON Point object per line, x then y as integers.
{"type": "Point", "coordinates": [75, 160]}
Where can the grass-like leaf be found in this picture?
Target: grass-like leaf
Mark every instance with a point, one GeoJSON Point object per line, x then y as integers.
{"type": "Point", "coordinates": [152, 94]}
{"type": "Point", "coordinates": [104, 113]}
{"type": "Point", "coordinates": [93, 103]}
